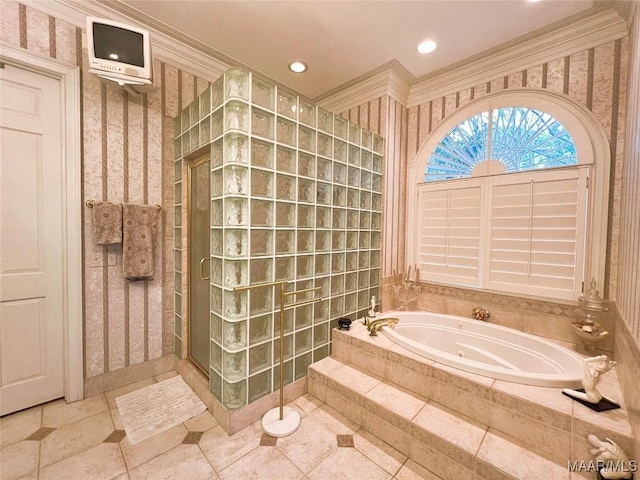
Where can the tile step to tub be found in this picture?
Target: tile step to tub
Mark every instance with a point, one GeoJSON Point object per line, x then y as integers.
{"type": "Point", "coordinates": [448, 444]}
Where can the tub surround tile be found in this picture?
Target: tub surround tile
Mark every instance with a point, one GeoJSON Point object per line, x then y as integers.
{"type": "Point", "coordinates": [438, 463]}
{"type": "Point", "coordinates": [461, 401]}
{"type": "Point", "coordinates": [332, 420]}
{"type": "Point", "coordinates": [19, 425]}
{"type": "Point", "coordinates": [352, 410]}
{"type": "Point", "coordinates": [395, 400]}
{"type": "Point", "coordinates": [103, 461]}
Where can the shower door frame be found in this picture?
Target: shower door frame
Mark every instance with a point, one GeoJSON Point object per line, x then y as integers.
{"type": "Point", "coordinates": [196, 162]}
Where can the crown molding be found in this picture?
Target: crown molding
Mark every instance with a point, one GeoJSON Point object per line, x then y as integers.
{"type": "Point", "coordinates": [390, 79]}
{"type": "Point", "coordinates": [576, 33]}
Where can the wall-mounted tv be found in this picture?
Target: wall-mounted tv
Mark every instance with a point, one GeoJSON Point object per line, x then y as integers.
{"type": "Point", "coordinates": [118, 51]}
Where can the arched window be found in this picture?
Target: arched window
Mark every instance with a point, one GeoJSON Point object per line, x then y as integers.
{"type": "Point", "coordinates": [511, 196]}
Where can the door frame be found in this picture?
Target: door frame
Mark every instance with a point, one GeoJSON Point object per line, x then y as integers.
{"type": "Point", "coordinates": [70, 94]}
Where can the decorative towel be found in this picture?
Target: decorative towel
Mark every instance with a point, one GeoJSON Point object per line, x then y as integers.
{"type": "Point", "coordinates": [107, 223]}
{"type": "Point", "coordinates": [140, 223]}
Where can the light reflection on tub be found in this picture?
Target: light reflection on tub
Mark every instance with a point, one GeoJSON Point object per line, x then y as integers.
{"type": "Point", "coordinates": [486, 349]}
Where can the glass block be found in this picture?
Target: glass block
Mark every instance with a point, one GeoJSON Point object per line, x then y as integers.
{"type": "Point", "coordinates": [259, 385]}
{"type": "Point", "coordinates": [261, 272]}
{"type": "Point", "coordinates": [234, 365]}
{"type": "Point", "coordinates": [306, 190]}
{"type": "Point", "coordinates": [340, 127]}
{"type": "Point", "coordinates": [177, 281]}
{"type": "Point", "coordinates": [320, 334]}
{"type": "Point", "coordinates": [354, 177]}
{"type": "Point", "coordinates": [185, 120]}
{"type": "Point", "coordinates": [305, 241]}
{"type": "Point", "coordinates": [288, 345]}
{"type": "Point", "coordinates": [306, 218]}
{"type": "Point", "coordinates": [351, 283]}
{"type": "Point", "coordinates": [323, 193]}
{"type": "Point", "coordinates": [260, 329]}
{"type": "Point", "coordinates": [320, 353]}
{"type": "Point", "coordinates": [354, 133]}
{"type": "Point", "coordinates": [375, 239]}
{"type": "Point", "coordinates": [325, 120]}
{"type": "Point", "coordinates": [376, 182]}
{"type": "Point", "coordinates": [324, 171]}
{"type": "Point", "coordinates": [339, 218]}
{"type": "Point", "coordinates": [322, 264]}
{"type": "Point", "coordinates": [177, 147]}
{"type": "Point", "coordinates": [363, 279]}
{"type": "Point", "coordinates": [353, 198]}
{"type": "Point", "coordinates": [365, 200]}
{"type": "Point", "coordinates": [261, 213]}
{"type": "Point", "coordinates": [325, 145]}
{"type": "Point", "coordinates": [262, 123]}
{"type": "Point", "coordinates": [351, 261]}
{"type": "Point", "coordinates": [235, 211]}
{"type": "Point", "coordinates": [338, 240]}
{"type": "Point", "coordinates": [364, 240]}
{"type": "Point", "coordinates": [337, 307]}
{"type": "Point", "coordinates": [323, 240]}
{"type": "Point", "coordinates": [340, 151]}
{"type": "Point", "coordinates": [234, 305]}
{"type": "Point", "coordinates": [287, 104]}
{"type": "Point", "coordinates": [286, 159]}
{"type": "Point", "coordinates": [178, 260]}
{"type": "Point", "coordinates": [374, 277]}
{"type": "Point", "coordinates": [217, 183]}
{"type": "Point", "coordinates": [365, 159]}
{"type": "Point", "coordinates": [235, 273]}
{"type": "Point", "coordinates": [215, 356]}
{"type": "Point", "coordinates": [302, 364]}
{"type": "Point", "coordinates": [216, 297]}
{"type": "Point", "coordinates": [177, 124]}
{"type": "Point", "coordinates": [178, 191]}
{"type": "Point", "coordinates": [263, 93]}
{"type": "Point", "coordinates": [365, 220]}
{"type": "Point", "coordinates": [352, 240]}
{"type": "Point", "coordinates": [261, 299]}
{"type": "Point", "coordinates": [236, 148]}
{"type": "Point", "coordinates": [178, 172]}
{"type": "Point", "coordinates": [285, 214]}
{"type": "Point", "coordinates": [194, 109]}
{"type": "Point", "coordinates": [217, 124]}
{"type": "Point", "coordinates": [217, 209]}
{"type": "Point", "coordinates": [367, 139]}
{"type": "Point", "coordinates": [306, 139]}
{"type": "Point", "coordinates": [285, 242]}
{"type": "Point", "coordinates": [305, 266]}
{"type": "Point", "coordinates": [261, 242]}
{"type": "Point", "coordinates": [234, 334]}
{"type": "Point", "coordinates": [339, 173]}
{"type": "Point", "coordinates": [286, 131]}
{"type": "Point", "coordinates": [339, 196]}
{"type": "Point", "coordinates": [216, 279]}
{"type": "Point", "coordinates": [306, 165]}
{"type": "Point", "coordinates": [304, 316]}
{"type": "Point", "coordinates": [306, 113]}
{"type": "Point", "coordinates": [194, 138]}
{"type": "Point", "coordinates": [376, 165]}
{"type": "Point", "coordinates": [261, 153]}
{"type": "Point", "coordinates": [235, 243]}
{"type": "Point", "coordinates": [351, 303]}
{"type": "Point", "coordinates": [376, 221]}
{"type": "Point", "coordinates": [215, 329]}
{"type": "Point", "coordinates": [352, 219]}
{"type": "Point", "coordinates": [284, 268]}
{"type": "Point", "coordinates": [364, 300]}
{"type": "Point", "coordinates": [378, 144]}
{"type": "Point", "coordinates": [178, 238]}
{"type": "Point", "coordinates": [287, 374]}
{"type": "Point", "coordinates": [217, 93]}
{"type": "Point", "coordinates": [337, 262]}
{"type": "Point", "coordinates": [303, 341]}
{"type": "Point", "coordinates": [323, 217]}
{"type": "Point", "coordinates": [205, 131]}
{"type": "Point", "coordinates": [234, 395]}
{"type": "Point", "coordinates": [178, 302]}
{"type": "Point", "coordinates": [236, 180]}
{"type": "Point", "coordinates": [374, 258]}
{"type": "Point", "coordinates": [354, 155]}
{"type": "Point", "coordinates": [261, 183]}
{"type": "Point", "coordinates": [215, 384]}
{"type": "Point", "coordinates": [285, 187]}
{"type": "Point", "coordinates": [376, 202]}
{"type": "Point", "coordinates": [236, 116]}
{"type": "Point", "coordinates": [337, 284]}
{"type": "Point", "coordinates": [237, 83]}
{"type": "Point", "coordinates": [320, 311]}
{"type": "Point", "coordinates": [365, 180]}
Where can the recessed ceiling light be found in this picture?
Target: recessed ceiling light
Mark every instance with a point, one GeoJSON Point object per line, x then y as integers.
{"type": "Point", "coordinates": [298, 67]}
{"type": "Point", "coordinates": [427, 46]}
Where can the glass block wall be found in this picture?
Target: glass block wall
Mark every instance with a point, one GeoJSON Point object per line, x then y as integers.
{"type": "Point", "coordinates": [296, 195]}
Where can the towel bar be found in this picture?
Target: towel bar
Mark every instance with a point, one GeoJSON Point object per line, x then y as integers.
{"type": "Point", "coordinates": [89, 203]}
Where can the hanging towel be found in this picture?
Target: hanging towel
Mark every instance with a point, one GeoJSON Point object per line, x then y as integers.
{"type": "Point", "coordinates": [140, 223]}
{"type": "Point", "coordinates": [107, 223]}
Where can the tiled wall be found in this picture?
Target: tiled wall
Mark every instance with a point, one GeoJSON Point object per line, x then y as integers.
{"type": "Point", "coordinates": [127, 151]}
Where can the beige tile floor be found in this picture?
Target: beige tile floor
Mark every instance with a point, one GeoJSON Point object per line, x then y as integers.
{"type": "Point", "coordinates": [86, 440]}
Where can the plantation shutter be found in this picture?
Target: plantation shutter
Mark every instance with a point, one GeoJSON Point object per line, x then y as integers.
{"type": "Point", "coordinates": [449, 231]}
{"type": "Point", "coordinates": [536, 226]}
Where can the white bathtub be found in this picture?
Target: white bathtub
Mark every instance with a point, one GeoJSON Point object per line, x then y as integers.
{"type": "Point", "coordinates": [486, 349]}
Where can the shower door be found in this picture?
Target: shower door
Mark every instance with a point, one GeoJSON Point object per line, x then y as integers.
{"type": "Point", "coordinates": [199, 263]}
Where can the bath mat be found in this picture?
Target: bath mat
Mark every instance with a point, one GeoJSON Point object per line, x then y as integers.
{"type": "Point", "coordinates": [156, 408]}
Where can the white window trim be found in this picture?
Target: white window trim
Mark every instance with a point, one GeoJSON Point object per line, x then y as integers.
{"type": "Point", "coordinates": [592, 148]}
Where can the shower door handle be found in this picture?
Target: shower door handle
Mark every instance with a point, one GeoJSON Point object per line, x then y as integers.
{"type": "Point", "coordinates": [202, 277]}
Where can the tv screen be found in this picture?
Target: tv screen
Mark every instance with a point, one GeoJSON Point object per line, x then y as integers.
{"type": "Point", "coordinates": [118, 44]}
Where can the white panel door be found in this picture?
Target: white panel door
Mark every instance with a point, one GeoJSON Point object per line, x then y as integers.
{"type": "Point", "coordinates": [31, 240]}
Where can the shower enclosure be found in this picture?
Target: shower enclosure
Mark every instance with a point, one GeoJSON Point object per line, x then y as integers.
{"type": "Point", "coordinates": [295, 194]}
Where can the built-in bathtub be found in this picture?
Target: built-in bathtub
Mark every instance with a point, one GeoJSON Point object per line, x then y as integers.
{"type": "Point", "coordinates": [486, 349]}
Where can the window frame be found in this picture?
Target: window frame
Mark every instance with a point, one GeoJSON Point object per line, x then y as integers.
{"type": "Point", "coordinates": [592, 148]}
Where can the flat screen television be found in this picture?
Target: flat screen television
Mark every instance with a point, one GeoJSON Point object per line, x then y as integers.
{"type": "Point", "coordinates": [118, 51]}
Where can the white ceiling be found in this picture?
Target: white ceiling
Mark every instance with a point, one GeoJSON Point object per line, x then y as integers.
{"type": "Point", "coordinates": [341, 40]}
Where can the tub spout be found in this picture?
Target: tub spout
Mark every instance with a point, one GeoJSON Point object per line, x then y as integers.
{"type": "Point", "coordinates": [481, 314]}
{"type": "Point", "coordinates": [374, 325]}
